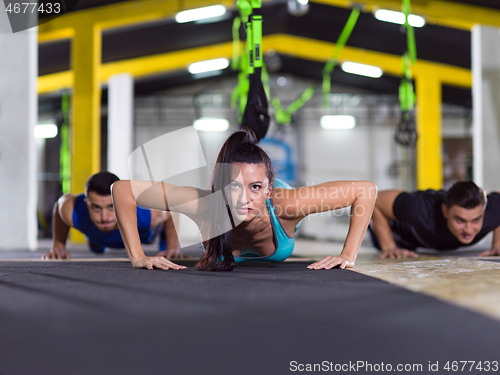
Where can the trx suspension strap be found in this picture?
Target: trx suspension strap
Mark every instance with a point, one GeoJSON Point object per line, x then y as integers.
{"type": "Point", "coordinates": [240, 63]}
{"type": "Point", "coordinates": [406, 135]}
{"type": "Point", "coordinates": [330, 64]}
{"type": "Point", "coordinates": [284, 116]}
{"type": "Point", "coordinates": [255, 115]}
{"type": "Point", "coordinates": [65, 152]}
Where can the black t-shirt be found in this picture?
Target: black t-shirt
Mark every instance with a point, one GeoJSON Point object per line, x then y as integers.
{"type": "Point", "coordinates": [420, 221]}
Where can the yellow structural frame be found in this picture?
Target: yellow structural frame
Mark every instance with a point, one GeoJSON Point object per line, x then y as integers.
{"type": "Point", "coordinates": [87, 74]}
{"type": "Point", "coordinates": [429, 77]}
{"type": "Point", "coordinates": [85, 29]}
{"type": "Point", "coordinates": [304, 48]}
{"type": "Point", "coordinates": [437, 12]}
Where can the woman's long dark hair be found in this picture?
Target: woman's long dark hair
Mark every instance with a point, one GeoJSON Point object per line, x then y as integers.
{"type": "Point", "coordinates": [240, 147]}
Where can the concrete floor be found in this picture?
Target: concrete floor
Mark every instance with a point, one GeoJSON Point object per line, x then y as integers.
{"type": "Point", "coordinates": [460, 277]}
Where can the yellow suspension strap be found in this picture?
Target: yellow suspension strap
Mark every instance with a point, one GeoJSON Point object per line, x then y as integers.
{"type": "Point", "coordinates": [406, 134]}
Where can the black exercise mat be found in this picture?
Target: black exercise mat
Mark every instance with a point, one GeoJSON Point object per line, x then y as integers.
{"type": "Point", "coordinates": [107, 318]}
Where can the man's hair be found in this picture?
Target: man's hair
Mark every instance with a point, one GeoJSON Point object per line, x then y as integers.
{"type": "Point", "coordinates": [100, 183]}
{"type": "Point", "coordinates": [465, 194]}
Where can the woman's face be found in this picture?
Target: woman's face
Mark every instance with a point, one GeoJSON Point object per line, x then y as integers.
{"type": "Point", "coordinates": [249, 190]}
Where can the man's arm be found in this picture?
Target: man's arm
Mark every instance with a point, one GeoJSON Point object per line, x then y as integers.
{"type": "Point", "coordinates": [382, 213]}
{"type": "Point", "coordinates": [495, 245]}
{"type": "Point", "coordinates": [62, 221]}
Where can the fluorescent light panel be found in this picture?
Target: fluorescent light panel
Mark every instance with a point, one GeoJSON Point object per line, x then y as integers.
{"type": "Point", "coordinates": [362, 69]}
{"type": "Point", "coordinates": [210, 124]}
{"type": "Point", "coordinates": [338, 122]}
{"type": "Point", "coordinates": [208, 66]}
{"type": "Point", "coordinates": [398, 17]}
{"type": "Point", "coordinates": [200, 13]}
{"type": "Point", "coordinates": [45, 131]}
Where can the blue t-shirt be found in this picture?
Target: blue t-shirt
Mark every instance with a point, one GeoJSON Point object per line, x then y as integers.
{"type": "Point", "coordinates": [113, 239]}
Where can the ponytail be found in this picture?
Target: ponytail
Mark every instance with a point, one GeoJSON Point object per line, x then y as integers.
{"type": "Point", "coordinates": [240, 147]}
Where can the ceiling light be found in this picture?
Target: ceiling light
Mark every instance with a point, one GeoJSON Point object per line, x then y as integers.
{"type": "Point", "coordinates": [45, 131]}
{"type": "Point", "coordinates": [362, 69]}
{"type": "Point", "coordinates": [208, 66]}
{"type": "Point", "coordinates": [210, 124]}
{"type": "Point", "coordinates": [399, 18]}
{"type": "Point", "coordinates": [338, 122]}
{"type": "Point", "coordinates": [200, 13]}
{"type": "Point", "coordinates": [212, 73]}
{"type": "Point", "coordinates": [281, 81]}
{"type": "Point", "coordinates": [298, 7]}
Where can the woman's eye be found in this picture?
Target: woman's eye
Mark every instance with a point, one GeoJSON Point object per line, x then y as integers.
{"type": "Point", "coordinates": [234, 185]}
{"type": "Point", "coordinates": [256, 187]}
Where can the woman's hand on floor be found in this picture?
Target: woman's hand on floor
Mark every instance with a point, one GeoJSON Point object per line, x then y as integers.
{"type": "Point", "coordinates": [331, 261]}
{"type": "Point", "coordinates": [155, 262]}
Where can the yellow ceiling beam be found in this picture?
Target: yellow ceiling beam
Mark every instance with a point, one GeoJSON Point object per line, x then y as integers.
{"type": "Point", "coordinates": [316, 50]}
{"type": "Point", "coordinates": [55, 82]}
{"type": "Point", "coordinates": [304, 48]}
{"type": "Point", "coordinates": [141, 66]}
{"type": "Point", "coordinates": [128, 13]}
{"type": "Point", "coordinates": [122, 14]}
{"type": "Point", "coordinates": [56, 34]}
{"type": "Point", "coordinates": [165, 62]}
{"type": "Point", "coordinates": [438, 12]}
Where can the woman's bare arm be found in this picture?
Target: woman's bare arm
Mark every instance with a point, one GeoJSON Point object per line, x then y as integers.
{"type": "Point", "coordinates": [359, 195]}
{"type": "Point", "coordinates": [126, 214]}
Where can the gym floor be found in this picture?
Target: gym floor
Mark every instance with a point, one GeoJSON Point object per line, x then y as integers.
{"type": "Point", "coordinates": [459, 277]}
{"type": "Point", "coordinates": [97, 315]}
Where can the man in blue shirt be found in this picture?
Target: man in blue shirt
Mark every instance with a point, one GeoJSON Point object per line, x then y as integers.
{"type": "Point", "coordinates": [93, 214]}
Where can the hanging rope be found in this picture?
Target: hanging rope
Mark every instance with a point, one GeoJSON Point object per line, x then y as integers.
{"type": "Point", "coordinates": [406, 134]}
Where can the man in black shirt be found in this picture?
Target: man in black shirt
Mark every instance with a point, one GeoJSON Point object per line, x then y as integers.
{"type": "Point", "coordinates": [439, 220]}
